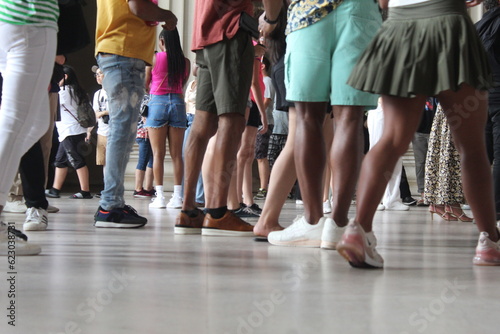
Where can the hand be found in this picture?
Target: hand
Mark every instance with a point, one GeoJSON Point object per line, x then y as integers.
{"type": "Point", "coordinates": [260, 50]}
{"type": "Point", "coordinates": [170, 21]}
{"type": "Point", "coordinates": [263, 129]}
{"type": "Point", "coordinates": [265, 28]}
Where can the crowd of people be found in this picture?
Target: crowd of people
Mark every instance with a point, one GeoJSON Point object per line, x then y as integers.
{"type": "Point", "coordinates": [291, 94]}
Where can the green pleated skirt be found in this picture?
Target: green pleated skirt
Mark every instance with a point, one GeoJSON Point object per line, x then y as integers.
{"type": "Point", "coordinates": [423, 49]}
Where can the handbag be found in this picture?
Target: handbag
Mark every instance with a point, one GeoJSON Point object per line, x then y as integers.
{"type": "Point", "coordinates": [250, 25]}
{"type": "Point", "coordinates": [144, 107]}
{"type": "Point", "coordinates": [85, 114]}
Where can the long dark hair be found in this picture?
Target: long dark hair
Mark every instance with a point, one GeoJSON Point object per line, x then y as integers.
{"type": "Point", "coordinates": [176, 60]}
{"type": "Point", "coordinates": [276, 41]}
{"type": "Point", "coordinates": [77, 93]}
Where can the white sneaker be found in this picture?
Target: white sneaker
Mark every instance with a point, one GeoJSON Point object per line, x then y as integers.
{"type": "Point", "coordinates": [332, 234]}
{"type": "Point", "coordinates": [358, 247]}
{"type": "Point", "coordinates": [175, 202]}
{"type": "Point", "coordinates": [299, 234]}
{"type": "Point", "coordinates": [381, 207]}
{"type": "Point", "coordinates": [36, 220]}
{"type": "Point", "coordinates": [327, 207]}
{"type": "Point", "coordinates": [397, 206]}
{"type": "Point", "coordinates": [158, 203]}
{"type": "Point", "coordinates": [299, 202]}
{"type": "Point", "coordinates": [15, 207]}
{"type": "Point", "coordinates": [14, 242]}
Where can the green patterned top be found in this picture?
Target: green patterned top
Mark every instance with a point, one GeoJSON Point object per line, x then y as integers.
{"type": "Point", "coordinates": [42, 13]}
{"type": "Point", "coordinates": [303, 13]}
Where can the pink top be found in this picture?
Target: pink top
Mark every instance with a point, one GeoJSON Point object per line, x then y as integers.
{"type": "Point", "coordinates": [159, 78]}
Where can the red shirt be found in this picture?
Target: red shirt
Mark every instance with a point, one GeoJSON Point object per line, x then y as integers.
{"type": "Point", "coordinates": [216, 20]}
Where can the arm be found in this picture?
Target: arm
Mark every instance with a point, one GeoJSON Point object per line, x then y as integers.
{"type": "Point", "coordinates": [148, 11]}
{"type": "Point", "coordinates": [147, 78]}
{"type": "Point", "coordinates": [384, 4]}
{"type": "Point", "coordinates": [188, 70]}
{"type": "Point", "coordinates": [257, 95]}
{"type": "Point", "coordinates": [271, 12]}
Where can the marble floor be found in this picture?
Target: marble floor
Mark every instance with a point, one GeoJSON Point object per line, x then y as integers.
{"type": "Point", "coordinates": [150, 281]}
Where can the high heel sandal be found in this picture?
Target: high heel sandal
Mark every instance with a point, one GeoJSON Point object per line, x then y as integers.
{"type": "Point", "coordinates": [458, 213]}
{"type": "Point", "coordinates": [441, 211]}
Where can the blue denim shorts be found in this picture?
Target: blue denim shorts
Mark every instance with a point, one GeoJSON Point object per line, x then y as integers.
{"type": "Point", "coordinates": [168, 109]}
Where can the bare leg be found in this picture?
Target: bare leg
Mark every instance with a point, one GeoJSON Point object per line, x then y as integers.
{"type": "Point", "coordinates": [59, 177]}
{"type": "Point", "coordinates": [207, 166]}
{"type": "Point", "coordinates": [158, 139]}
{"type": "Point", "coordinates": [175, 140]}
{"type": "Point", "coordinates": [83, 178]}
{"type": "Point", "coordinates": [283, 177]}
{"type": "Point", "coordinates": [401, 119]}
{"type": "Point", "coordinates": [139, 179]}
{"type": "Point", "coordinates": [246, 155]}
{"type": "Point", "coordinates": [203, 128]}
{"type": "Point", "coordinates": [148, 179]}
{"type": "Point", "coordinates": [328, 135]}
{"type": "Point", "coordinates": [264, 172]}
{"type": "Point", "coordinates": [466, 111]}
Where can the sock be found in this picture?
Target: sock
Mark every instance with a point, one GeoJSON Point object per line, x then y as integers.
{"type": "Point", "coordinates": [192, 213]}
{"type": "Point", "coordinates": [159, 191]}
{"type": "Point", "coordinates": [177, 190]}
{"type": "Point", "coordinates": [84, 193]}
{"type": "Point", "coordinates": [218, 212]}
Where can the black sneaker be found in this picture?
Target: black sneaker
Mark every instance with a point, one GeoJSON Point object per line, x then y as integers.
{"type": "Point", "coordinates": [252, 211]}
{"type": "Point", "coordinates": [125, 217]}
{"type": "Point", "coordinates": [410, 201]}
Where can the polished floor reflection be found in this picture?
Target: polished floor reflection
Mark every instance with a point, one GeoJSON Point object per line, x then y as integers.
{"type": "Point", "coordinates": [150, 281]}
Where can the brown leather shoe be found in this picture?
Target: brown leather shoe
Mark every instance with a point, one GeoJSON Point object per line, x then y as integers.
{"type": "Point", "coordinates": [189, 225]}
{"type": "Point", "coordinates": [229, 225]}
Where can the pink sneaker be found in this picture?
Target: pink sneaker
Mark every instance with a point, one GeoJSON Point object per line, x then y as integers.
{"type": "Point", "coordinates": [487, 251]}
{"type": "Point", "coordinates": [358, 247]}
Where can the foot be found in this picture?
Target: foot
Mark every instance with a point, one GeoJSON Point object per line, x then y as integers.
{"type": "Point", "coordinates": [410, 201]}
{"type": "Point", "coordinates": [125, 217]}
{"type": "Point", "coordinates": [142, 194]}
{"type": "Point", "coordinates": [299, 234]}
{"type": "Point", "coordinates": [421, 202]}
{"type": "Point", "coordinates": [261, 194]}
{"type": "Point", "coordinates": [332, 234]}
{"type": "Point", "coordinates": [175, 202]}
{"type": "Point", "coordinates": [358, 247]}
{"type": "Point", "coordinates": [81, 195]}
{"type": "Point", "coordinates": [36, 220]}
{"type": "Point", "coordinates": [381, 207]}
{"type": "Point", "coordinates": [457, 212]}
{"type": "Point", "coordinates": [397, 206]}
{"type": "Point", "coordinates": [229, 225]}
{"type": "Point", "coordinates": [15, 207]}
{"type": "Point", "coordinates": [52, 193]}
{"type": "Point", "coordinates": [158, 203]}
{"type": "Point", "coordinates": [10, 237]}
{"type": "Point", "coordinates": [184, 224]}
{"type": "Point", "coordinates": [327, 207]}
{"type": "Point", "coordinates": [263, 229]}
{"type": "Point", "coordinates": [439, 209]}
{"type": "Point", "coordinates": [487, 251]}
{"type": "Point", "coordinates": [244, 211]}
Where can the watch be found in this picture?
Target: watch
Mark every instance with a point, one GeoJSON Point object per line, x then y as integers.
{"type": "Point", "coordinates": [270, 21]}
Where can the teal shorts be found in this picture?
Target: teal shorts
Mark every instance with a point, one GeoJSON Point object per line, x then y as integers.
{"type": "Point", "coordinates": [320, 57]}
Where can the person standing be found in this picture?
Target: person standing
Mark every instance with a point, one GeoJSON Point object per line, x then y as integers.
{"type": "Point", "coordinates": [125, 38]}
{"type": "Point", "coordinates": [224, 55]}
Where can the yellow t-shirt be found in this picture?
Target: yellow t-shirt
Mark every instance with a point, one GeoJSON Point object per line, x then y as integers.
{"type": "Point", "coordinates": [120, 32]}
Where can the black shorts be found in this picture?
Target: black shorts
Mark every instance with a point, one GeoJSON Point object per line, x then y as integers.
{"type": "Point", "coordinates": [71, 152]}
{"type": "Point", "coordinates": [278, 77]}
{"type": "Point", "coordinates": [262, 143]}
{"type": "Point", "coordinates": [254, 116]}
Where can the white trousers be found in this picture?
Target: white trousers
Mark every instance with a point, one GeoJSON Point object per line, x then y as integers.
{"type": "Point", "coordinates": [375, 124]}
{"type": "Point", "coordinates": [27, 55]}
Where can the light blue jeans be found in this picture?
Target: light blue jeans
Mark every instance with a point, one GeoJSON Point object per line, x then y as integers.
{"type": "Point", "coordinates": [124, 83]}
{"type": "Point", "coordinates": [200, 193]}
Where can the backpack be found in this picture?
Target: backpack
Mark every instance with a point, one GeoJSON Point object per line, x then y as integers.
{"type": "Point", "coordinates": [85, 114]}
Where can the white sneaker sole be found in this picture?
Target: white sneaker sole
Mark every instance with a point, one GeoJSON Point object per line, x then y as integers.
{"type": "Point", "coordinates": [117, 225]}
{"type": "Point", "coordinates": [34, 227]}
{"type": "Point", "coordinates": [187, 230]}
{"type": "Point", "coordinates": [305, 243]}
{"type": "Point", "coordinates": [225, 233]}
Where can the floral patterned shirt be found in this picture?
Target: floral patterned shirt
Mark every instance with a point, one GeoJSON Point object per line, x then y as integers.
{"type": "Point", "coordinates": [303, 13]}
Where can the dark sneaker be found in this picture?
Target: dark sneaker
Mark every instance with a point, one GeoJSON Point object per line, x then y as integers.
{"type": "Point", "coordinates": [229, 226]}
{"type": "Point", "coordinates": [52, 193]}
{"type": "Point", "coordinates": [410, 201]}
{"type": "Point", "coordinates": [184, 224]}
{"type": "Point", "coordinates": [261, 194]}
{"type": "Point", "coordinates": [143, 194]}
{"type": "Point", "coordinates": [125, 217]}
{"type": "Point", "coordinates": [247, 211]}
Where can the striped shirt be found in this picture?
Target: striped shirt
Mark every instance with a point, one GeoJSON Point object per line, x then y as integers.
{"type": "Point", "coordinates": [42, 13]}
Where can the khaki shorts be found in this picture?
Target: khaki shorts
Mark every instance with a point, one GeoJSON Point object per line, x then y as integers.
{"type": "Point", "coordinates": [224, 75]}
{"type": "Point", "coordinates": [100, 159]}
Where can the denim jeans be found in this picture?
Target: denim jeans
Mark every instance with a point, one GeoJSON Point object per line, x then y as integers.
{"type": "Point", "coordinates": [124, 83]}
{"type": "Point", "coordinates": [200, 193]}
{"type": "Point", "coordinates": [145, 154]}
